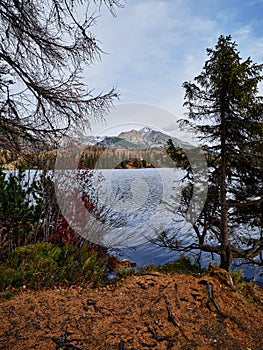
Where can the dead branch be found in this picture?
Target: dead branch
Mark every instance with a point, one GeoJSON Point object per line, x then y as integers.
{"type": "Point", "coordinates": [121, 345]}
{"type": "Point", "coordinates": [142, 285]}
{"type": "Point", "coordinates": [62, 343]}
{"type": "Point", "coordinates": [155, 336]}
{"type": "Point", "coordinates": [93, 303]}
{"type": "Point", "coordinates": [150, 346]}
{"type": "Point", "coordinates": [176, 295]}
{"type": "Point", "coordinates": [171, 317]}
{"type": "Point", "coordinates": [245, 204]}
{"type": "Point", "coordinates": [210, 296]}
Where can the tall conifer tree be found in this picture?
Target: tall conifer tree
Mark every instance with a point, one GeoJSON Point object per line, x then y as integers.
{"type": "Point", "coordinates": [226, 111]}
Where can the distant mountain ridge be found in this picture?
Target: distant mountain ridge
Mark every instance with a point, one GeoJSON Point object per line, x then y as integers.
{"type": "Point", "coordinates": [145, 137]}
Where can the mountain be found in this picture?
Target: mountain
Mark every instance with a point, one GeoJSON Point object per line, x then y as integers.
{"type": "Point", "coordinates": [144, 138]}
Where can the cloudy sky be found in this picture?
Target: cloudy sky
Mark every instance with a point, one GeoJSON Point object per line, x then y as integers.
{"type": "Point", "coordinates": [153, 46]}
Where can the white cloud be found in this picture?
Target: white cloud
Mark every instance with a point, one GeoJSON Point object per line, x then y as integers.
{"type": "Point", "coordinates": [154, 46]}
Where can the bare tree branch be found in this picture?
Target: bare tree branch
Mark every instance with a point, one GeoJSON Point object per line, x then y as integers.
{"type": "Point", "coordinates": [43, 47]}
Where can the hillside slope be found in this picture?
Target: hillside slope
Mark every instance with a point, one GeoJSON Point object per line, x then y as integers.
{"type": "Point", "coordinates": [151, 310]}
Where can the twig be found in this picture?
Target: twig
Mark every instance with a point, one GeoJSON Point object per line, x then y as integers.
{"type": "Point", "coordinates": [210, 295]}
{"type": "Point", "coordinates": [150, 346]}
{"type": "Point", "coordinates": [92, 302]}
{"type": "Point", "coordinates": [158, 339]}
{"type": "Point", "coordinates": [176, 295]}
{"type": "Point", "coordinates": [142, 285]}
{"type": "Point", "coordinates": [121, 345]}
{"type": "Point", "coordinates": [61, 343]}
{"type": "Point", "coordinates": [171, 317]}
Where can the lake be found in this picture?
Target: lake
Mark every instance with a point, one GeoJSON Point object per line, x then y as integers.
{"type": "Point", "coordinates": [140, 204]}
{"type": "Point", "coordinates": [136, 205]}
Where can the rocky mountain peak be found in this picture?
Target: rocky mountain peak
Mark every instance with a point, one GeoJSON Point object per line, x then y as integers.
{"type": "Point", "coordinates": [145, 137]}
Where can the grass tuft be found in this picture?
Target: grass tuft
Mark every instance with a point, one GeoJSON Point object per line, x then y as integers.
{"type": "Point", "coordinates": [182, 265]}
{"type": "Point", "coordinates": [46, 265]}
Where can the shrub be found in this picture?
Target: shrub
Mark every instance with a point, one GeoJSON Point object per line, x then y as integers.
{"type": "Point", "coordinates": [182, 265]}
{"type": "Point", "coordinates": [46, 265]}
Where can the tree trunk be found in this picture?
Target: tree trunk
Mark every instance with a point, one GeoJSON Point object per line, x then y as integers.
{"type": "Point", "coordinates": [226, 258]}
{"type": "Point", "coordinates": [225, 255]}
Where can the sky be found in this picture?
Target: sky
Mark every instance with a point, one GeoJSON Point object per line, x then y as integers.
{"type": "Point", "coordinates": [153, 46]}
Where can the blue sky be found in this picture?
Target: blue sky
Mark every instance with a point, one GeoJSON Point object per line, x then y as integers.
{"type": "Point", "coordinates": [153, 46]}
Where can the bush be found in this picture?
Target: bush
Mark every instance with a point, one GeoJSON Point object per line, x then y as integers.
{"type": "Point", "coordinates": [29, 211]}
{"type": "Point", "coordinates": [47, 265]}
{"type": "Point", "coordinates": [182, 265]}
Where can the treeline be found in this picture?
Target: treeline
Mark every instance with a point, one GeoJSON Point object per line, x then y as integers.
{"type": "Point", "coordinates": [94, 157]}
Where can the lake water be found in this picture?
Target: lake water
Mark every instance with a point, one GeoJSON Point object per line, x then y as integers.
{"type": "Point", "coordinates": [137, 205]}
{"type": "Point", "coordinates": [140, 204]}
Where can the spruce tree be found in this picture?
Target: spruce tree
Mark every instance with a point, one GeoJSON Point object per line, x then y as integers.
{"type": "Point", "coordinates": [226, 112]}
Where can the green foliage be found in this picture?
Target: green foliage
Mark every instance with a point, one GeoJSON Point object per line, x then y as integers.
{"type": "Point", "coordinates": [20, 209]}
{"type": "Point", "coordinates": [124, 272]}
{"type": "Point", "coordinates": [178, 155]}
{"type": "Point", "coordinates": [182, 265]}
{"type": "Point", "coordinates": [29, 211]}
{"type": "Point", "coordinates": [248, 290]}
{"type": "Point", "coordinates": [7, 295]}
{"type": "Point", "coordinates": [238, 277]}
{"type": "Point", "coordinates": [46, 265]}
{"type": "Point", "coordinates": [225, 111]}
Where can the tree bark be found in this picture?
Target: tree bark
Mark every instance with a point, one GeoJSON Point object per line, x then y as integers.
{"type": "Point", "coordinates": [225, 254]}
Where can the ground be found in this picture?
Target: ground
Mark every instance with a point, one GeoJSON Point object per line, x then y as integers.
{"type": "Point", "coordinates": [145, 311]}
